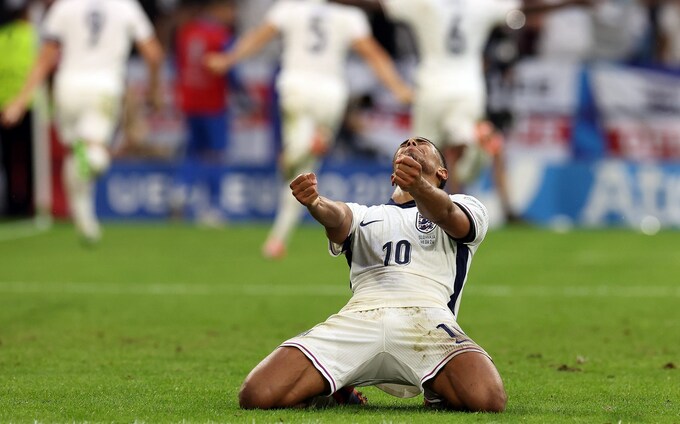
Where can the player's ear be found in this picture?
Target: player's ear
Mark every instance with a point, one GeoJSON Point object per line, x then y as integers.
{"type": "Point", "coordinates": [392, 179]}
{"type": "Point", "coordinates": [443, 175]}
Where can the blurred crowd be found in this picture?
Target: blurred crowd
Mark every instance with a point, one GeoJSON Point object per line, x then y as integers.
{"type": "Point", "coordinates": [637, 32]}
{"type": "Point", "coordinates": [640, 31]}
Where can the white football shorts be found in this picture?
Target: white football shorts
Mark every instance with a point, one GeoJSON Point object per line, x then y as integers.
{"type": "Point", "coordinates": [396, 349]}
{"type": "Point", "coordinates": [447, 119]}
{"type": "Point", "coordinates": [308, 103]}
{"type": "Point", "coordinates": [87, 108]}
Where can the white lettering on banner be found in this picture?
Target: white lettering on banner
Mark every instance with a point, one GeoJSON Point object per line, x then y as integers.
{"type": "Point", "coordinates": [133, 193]}
{"type": "Point", "coordinates": [243, 193]}
{"type": "Point", "coordinates": [633, 194]}
{"type": "Point", "coordinates": [651, 181]}
{"type": "Point", "coordinates": [233, 196]}
{"type": "Point", "coordinates": [156, 191]}
{"type": "Point", "coordinates": [334, 187]}
{"type": "Point", "coordinates": [611, 193]}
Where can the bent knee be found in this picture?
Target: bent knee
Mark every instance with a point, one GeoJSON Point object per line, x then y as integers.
{"type": "Point", "coordinates": [492, 401]}
{"type": "Point", "coordinates": [252, 397]}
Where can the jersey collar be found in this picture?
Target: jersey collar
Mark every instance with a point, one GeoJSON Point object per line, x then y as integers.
{"type": "Point", "coordinates": [409, 204]}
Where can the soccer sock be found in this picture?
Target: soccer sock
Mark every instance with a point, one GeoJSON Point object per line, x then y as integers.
{"type": "Point", "coordinates": [344, 396]}
{"type": "Point", "coordinates": [289, 212]}
{"type": "Point", "coordinates": [297, 158]}
{"type": "Point", "coordinates": [80, 157]}
{"type": "Point", "coordinates": [288, 215]}
{"type": "Point", "coordinates": [349, 396]}
{"type": "Point", "coordinates": [81, 198]}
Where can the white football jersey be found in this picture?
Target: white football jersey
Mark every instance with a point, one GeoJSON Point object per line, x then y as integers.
{"type": "Point", "coordinates": [398, 258]}
{"type": "Point", "coordinates": [317, 35]}
{"type": "Point", "coordinates": [96, 35]}
{"type": "Point", "coordinates": [450, 36]}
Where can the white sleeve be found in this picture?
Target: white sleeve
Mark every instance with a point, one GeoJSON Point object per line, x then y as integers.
{"type": "Point", "coordinates": [358, 213]}
{"type": "Point", "coordinates": [477, 213]}
{"type": "Point", "coordinates": [54, 26]}
{"type": "Point", "coordinates": [141, 26]}
{"type": "Point", "coordinates": [277, 15]}
{"type": "Point", "coordinates": [358, 26]}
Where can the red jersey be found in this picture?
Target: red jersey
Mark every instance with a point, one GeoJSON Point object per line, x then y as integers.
{"type": "Point", "coordinates": [198, 89]}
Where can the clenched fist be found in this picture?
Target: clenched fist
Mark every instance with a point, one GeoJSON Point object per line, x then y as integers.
{"type": "Point", "coordinates": [407, 172]}
{"type": "Point", "coordinates": [305, 189]}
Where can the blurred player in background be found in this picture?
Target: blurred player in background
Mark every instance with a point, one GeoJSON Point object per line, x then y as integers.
{"type": "Point", "coordinates": [449, 105]}
{"type": "Point", "coordinates": [202, 97]}
{"type": "Point", "coordinates": [90, 40]}
{"type": "Point", "coordinates": [409, 261]}
{"type": "Point", "coordinates": [450, 101]}
{"type": "Point", "coordinates": [313, 92]}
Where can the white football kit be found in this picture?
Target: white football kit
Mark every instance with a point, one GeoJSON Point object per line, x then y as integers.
{"type": "Point", "coordinates": [312, 85]}
{"type": "Point", "coordinates": [450, 36]}
{"type": "Point", "coordinates": [407, 276]}
{"type": "Point", "coordinates": [95, 38]}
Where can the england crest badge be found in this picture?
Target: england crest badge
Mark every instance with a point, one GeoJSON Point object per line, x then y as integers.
{"type": "Point", "coordinates": [423, 224]}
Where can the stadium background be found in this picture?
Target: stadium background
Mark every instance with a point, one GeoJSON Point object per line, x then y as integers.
{"type": "Point", "coordinates": [162, 321]}
{"type": "Point", "coordinates": [592, 140]}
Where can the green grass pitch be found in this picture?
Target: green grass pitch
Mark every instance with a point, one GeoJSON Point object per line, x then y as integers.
{"type": "Point", "coordinates": [161, 323]}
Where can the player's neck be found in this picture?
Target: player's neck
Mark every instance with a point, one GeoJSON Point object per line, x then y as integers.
{"type": "Point", "coordinates": [400, 196]}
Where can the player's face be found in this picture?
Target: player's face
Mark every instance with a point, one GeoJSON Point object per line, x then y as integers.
{"type": "Point", "coordinates": [423, 151]}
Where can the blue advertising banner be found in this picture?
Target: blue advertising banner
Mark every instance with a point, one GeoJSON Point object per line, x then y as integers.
{"type": "Point", "coordinates": [585, 193]}
{"type": "Point", "coordinates": [144, 190]}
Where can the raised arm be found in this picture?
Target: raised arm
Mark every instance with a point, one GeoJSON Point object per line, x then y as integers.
{"type": "Point", "coordinates": [153, 55]}
{"type": "Point", "coordinates": [45, 63]}
{"type": "Point", "coordinates": [378, 59]}
{"type": "Point", "coordinates": [433, 203]}
{"type": "Point", "coordinates": [247, 46]}
{"type": "Point", "coordinates": [336, 217]}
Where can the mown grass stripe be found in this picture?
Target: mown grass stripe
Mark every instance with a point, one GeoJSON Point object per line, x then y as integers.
{"type": "Point", "coordinates": [170, 289]}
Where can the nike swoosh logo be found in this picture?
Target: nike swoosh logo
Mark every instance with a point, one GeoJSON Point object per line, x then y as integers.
{"type": "Point", "coordinates": [363, 224]}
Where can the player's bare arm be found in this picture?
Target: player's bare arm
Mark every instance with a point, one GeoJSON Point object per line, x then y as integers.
{"type": "Point", "coordinates": [336, 217]}
{"type": "Point", "coordinates": [153, 55]}
{"type": "Point", "coordinates": [44, 65]}
{"type": "Point", "coordinates": [433, 203]}
{"type": "Point", "coordinates": [251, 43]}
{"type": "Point", "coordinates": [378, 59]}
